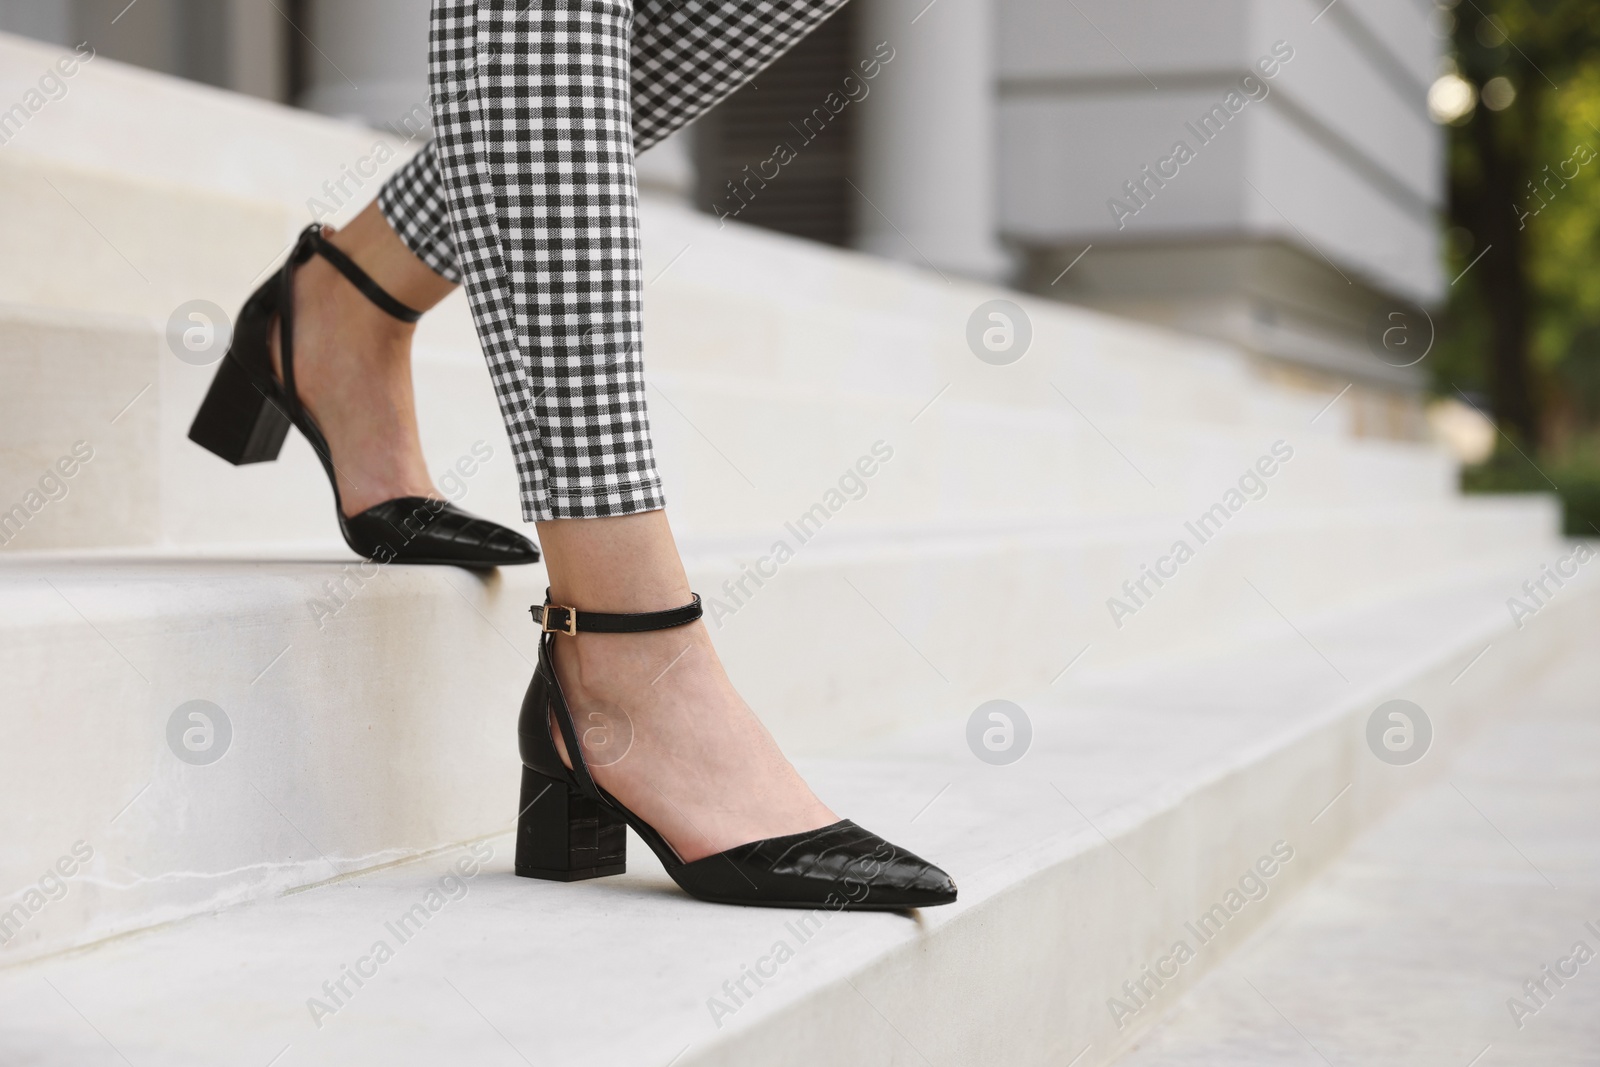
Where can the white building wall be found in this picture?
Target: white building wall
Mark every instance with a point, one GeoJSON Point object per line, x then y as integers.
{"type": "Point", "coordinates": [1333, 162]}
{"type": "Point", "coordinates": [1341, 144]}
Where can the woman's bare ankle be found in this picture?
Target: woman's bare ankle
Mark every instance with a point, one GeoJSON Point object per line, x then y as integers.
{"type": "Point", "coordinates": [625, 563]}
{"type": "Point", "coordinates": [352, 372]}
{"type": "Point", "coordinates": [377, 249]}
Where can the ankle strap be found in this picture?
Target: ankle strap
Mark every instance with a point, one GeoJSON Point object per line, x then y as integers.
{"type": "Point", "coordinates": [312, 241]}
{"type": "Point", "coordinates": [555, 619]}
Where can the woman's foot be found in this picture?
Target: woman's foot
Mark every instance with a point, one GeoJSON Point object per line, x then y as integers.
{"type": "Point", "coordinates": [664, 731]}
{"type": "Point", "coordinates": [660, 724]}
{"type": "Point", "coordinates": [352, 364]}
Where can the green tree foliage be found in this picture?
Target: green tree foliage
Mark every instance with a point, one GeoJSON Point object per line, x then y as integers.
{"type": "Point", "coordinates": [1525, 193]}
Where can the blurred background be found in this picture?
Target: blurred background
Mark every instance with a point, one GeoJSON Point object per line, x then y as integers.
{"type": "Point", "coordinates": [1404, 206]}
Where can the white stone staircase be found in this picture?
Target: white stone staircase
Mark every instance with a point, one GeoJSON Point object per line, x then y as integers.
{"type": "Point", "coordinates": [1223, 716]}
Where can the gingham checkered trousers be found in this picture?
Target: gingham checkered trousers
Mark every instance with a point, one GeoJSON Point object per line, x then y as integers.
{"type": "Point", "coordinates": [528, 195]}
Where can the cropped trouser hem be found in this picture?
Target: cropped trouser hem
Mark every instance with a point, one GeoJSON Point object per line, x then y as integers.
{"type": "Point", "coordinates": [528, 196]}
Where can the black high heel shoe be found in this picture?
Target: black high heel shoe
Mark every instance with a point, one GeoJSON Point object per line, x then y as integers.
{"type": "Point", "coordinates": [247, 414]}
{"type": "Point", "coordinates": [570, 828]}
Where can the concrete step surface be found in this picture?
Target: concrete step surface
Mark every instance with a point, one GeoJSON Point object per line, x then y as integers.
{"type": "Point", "coordinates": [313, 662]}
{"type": "Point", "coordinates": [738, 459]}
{"type": "Point", "coordinates": [1462, 928]}
{"type": "Point", "coordinates": [1087, 424]}
{"type": "Point", "coordinates": [1143, 798]}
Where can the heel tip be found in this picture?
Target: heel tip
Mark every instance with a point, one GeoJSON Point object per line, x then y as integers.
{"type": "Point", "coordinates": [578, 875]}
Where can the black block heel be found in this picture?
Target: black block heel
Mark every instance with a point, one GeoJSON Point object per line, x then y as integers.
{"type": "Point", "coordinates": [564, 836]}
{"type": "Point", "coordinates": [238, 420]}
{"type": "Point", "coordinates": [571, 828]}
{"type": "Point", "coordinates": [247, 414]}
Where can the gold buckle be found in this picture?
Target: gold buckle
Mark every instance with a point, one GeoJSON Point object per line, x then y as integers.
{"type": "Point", "coordinates": [571, 629]}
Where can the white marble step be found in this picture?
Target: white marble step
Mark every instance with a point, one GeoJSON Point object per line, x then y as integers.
{"type": "Point", "coordinates": [1032, 616]}
{"type": "Point", "coordinates": [169, 131]}
{"type": "Point", "coordinates": [739, 456]}
{"type": "Point", "coordinates": [731, 299]}
{"type": "Point", "coordinates": [1145, 796]}
{"type": "Point", "coordinates": [1418, 945]}
{"type": "Point", "coordinates": [315, 662]}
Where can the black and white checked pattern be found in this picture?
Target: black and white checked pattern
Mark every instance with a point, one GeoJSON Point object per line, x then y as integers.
{"type": "Point", "coordinates": [528, 194]}
{"type": "Point", "coordinates": [414, 203]}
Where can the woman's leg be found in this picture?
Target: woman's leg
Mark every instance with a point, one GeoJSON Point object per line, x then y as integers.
{"type": "Point", "coordinates": [535, 151]}
{"type": "Point", "coordinates": [530, 155]}
{"type": "Point", "coordinates": [687, 57]}
{"type": "Point", "coordinates": [684, 60]}
{"type": "Point", "coordinates": [353, 363]}
{"type": "Point", "coordinates": [529, 196]}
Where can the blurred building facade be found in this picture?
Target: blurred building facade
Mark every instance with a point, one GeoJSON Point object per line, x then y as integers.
{"type": "Point", "coordinates": [1264, 172]}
